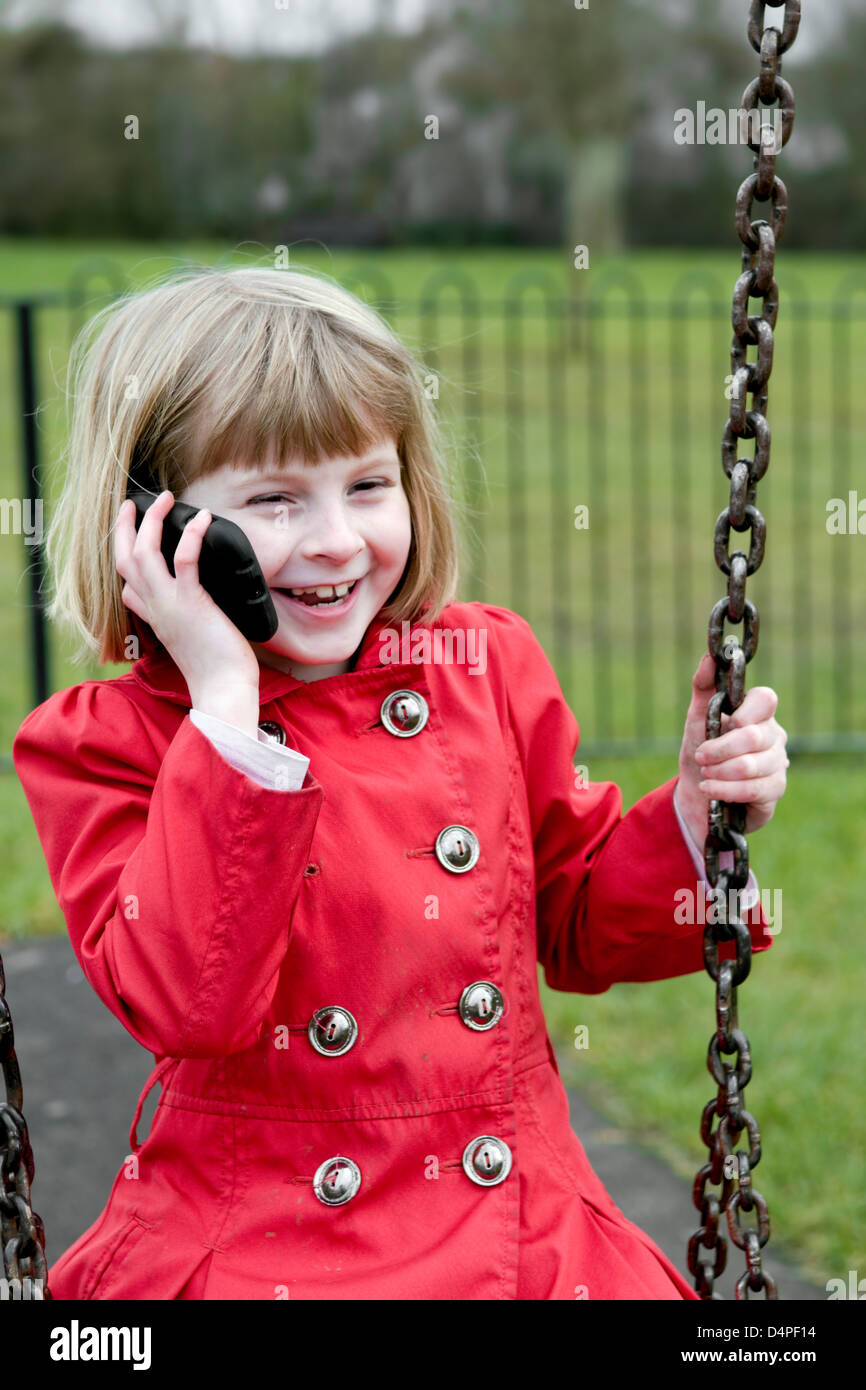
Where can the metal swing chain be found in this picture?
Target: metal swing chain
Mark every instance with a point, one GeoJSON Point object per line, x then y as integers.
{"type": "Point", "coordinates": [21, 1231]}
{"type": "Point", "coordinates": [733, 1170]}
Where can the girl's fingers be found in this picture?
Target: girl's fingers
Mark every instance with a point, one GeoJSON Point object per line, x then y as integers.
{"type": "Point", "coordinates": [765, 792]}
{"type": "Point", "coordinates": [122, 541]}
{"type": "Point", "coordinates": [757, 789]}
{"type": "Point", "coordinates": [745, 767]}
{"type": "Point", "coordinates": [749, 738]}
{"type": "Point", "coordinates": [770, 784]}
{"type": "Point", "coordinates": [138, 554]}
{"type": "Point", "coordinates": [125, 538]}
{"type": "Point", "coordinates": [132, 601]}
{"type": "Point", "coordinates": [159, 507]}
{"type": "Point", "coordinates": [151, 568]}
{"type": "Point", "coordinates": [149, 534]}
{"type": "Point", "coordinates": [129, 543]}
{"type": "Point", "coordinates": [186, 557]}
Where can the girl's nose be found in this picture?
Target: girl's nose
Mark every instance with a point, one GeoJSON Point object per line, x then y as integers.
{"type": "Point", "coordinates": [329, 531]}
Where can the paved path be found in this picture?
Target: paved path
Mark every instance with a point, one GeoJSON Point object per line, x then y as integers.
{"type": "Point", "coordinates": [82, 1074]}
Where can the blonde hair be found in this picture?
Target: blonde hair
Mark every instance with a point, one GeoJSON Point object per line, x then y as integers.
{"type": "Point", "coordinates": [210, 364]}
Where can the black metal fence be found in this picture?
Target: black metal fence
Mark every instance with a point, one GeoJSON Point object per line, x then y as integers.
{"type": "Point", "coordinates": [585, 419]}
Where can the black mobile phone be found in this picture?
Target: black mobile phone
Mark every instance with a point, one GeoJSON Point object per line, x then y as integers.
{"type": "Point", "coordinates": [227, 565]}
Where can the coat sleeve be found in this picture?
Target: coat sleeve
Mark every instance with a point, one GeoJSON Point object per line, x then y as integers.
{"type": "Point", "coordinates": [177, 878]}
{"type": "Point", "coordinates": [612, 891]}
{"type": "Point", "coordinates": [268, 763]}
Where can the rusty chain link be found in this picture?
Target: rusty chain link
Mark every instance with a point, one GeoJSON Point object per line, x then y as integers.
{"type": "Point", "coordinates": [728, 1166]}
{"type": "Point", "coordinates": [21, 1230]}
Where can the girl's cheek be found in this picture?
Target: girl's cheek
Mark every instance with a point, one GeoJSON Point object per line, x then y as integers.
{"type": "Point", "coordinates": [268, 547]}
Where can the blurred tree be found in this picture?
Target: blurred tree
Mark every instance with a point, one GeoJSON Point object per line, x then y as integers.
{"type": "Point", "coordinates": [171, 19]}
{"type": "Point", "coordinates": [211, 130]}
{"type": "Point", "coordinates": [557, 123]}
{"type": "Point", "coordinates": [565, 73]}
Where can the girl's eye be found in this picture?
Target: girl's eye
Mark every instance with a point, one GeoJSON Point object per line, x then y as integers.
{"type": "Point", "coordinates": [280, 497]}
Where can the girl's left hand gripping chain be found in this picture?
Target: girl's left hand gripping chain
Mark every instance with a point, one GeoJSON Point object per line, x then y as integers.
{"type": "Point", "coordinates": [747, 762]}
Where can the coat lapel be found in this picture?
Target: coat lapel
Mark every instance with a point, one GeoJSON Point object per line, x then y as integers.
{"type": "Point", "coordinates": [157, 673]}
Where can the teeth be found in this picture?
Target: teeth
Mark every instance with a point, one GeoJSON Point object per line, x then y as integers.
{"type": "Point", "coordinates": [325, 591]}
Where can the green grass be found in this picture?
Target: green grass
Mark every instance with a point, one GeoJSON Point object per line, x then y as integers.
{"type": "Point", "coordinates": [646, 1064]}
{"type": "Point", "coordinates": [800, 1007]}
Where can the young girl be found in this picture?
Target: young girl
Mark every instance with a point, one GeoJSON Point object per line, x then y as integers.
{"type": "Point", "coordinates": [314, 875]}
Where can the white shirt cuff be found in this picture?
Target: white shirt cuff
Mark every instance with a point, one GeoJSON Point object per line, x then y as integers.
{"type": "Point", "coordinates": [750, 895]}
{"type": "Point", "coordinates": [264, 761]}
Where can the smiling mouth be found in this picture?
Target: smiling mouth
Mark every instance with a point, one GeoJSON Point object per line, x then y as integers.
{"type": "Point", "coordinates": [311, 600]}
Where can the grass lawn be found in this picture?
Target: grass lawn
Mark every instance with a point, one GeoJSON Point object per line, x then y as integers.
{"type": "Point", "coordinates": [531, 444]}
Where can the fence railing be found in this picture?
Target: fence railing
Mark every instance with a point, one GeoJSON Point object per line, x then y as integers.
{"type": "Point", "coordinates": [585, 425]}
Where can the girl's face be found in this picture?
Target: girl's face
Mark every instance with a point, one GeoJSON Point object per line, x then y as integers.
{"type": "Point", "coordinates": [315, 525]}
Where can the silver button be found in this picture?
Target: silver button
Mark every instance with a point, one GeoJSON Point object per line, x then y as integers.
{"type": "Point", "coordinates": [274, 731]}
{"type": "Point", "coordinates": [336, 1181]}
{"type": "Point", "coordinates": [404, 713]}
{"type": "Point", "coordinates": [457, 849]}
{"type": "Point", "coordinates": [481, 1005]}
{"type": "Point", "coordinates": [332, 1031]}
{"type": "Point", "coordinates": [487, 1160]}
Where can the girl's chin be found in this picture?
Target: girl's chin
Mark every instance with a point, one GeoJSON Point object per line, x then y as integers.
{"type": "Point", "coordinates": [285, 656]}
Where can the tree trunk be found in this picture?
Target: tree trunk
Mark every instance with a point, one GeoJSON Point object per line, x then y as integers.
{"type": "Point", "coordinates": [595, 189]}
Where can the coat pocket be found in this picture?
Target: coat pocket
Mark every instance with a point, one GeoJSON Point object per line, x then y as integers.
{"type": "Point", "coordinates": [139, 1261]}
{"type": "Point", "coordinates": [114, 1252]}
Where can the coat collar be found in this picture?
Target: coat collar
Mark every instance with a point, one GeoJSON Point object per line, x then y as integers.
{"type": "Point", "coordinates": [157, 673]}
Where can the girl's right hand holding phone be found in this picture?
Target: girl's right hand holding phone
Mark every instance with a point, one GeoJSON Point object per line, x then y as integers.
{"type": "Point", "coordinates": [219, 665]}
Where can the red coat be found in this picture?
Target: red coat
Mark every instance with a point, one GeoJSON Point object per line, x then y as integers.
{"type": "Point", "coordinates": [215, 917]}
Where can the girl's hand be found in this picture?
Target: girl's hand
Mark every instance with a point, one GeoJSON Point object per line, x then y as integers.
{"type": "Point", "coordinates": [210, 651]}
{"type": "Point", "coordinates": [746, 762]}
